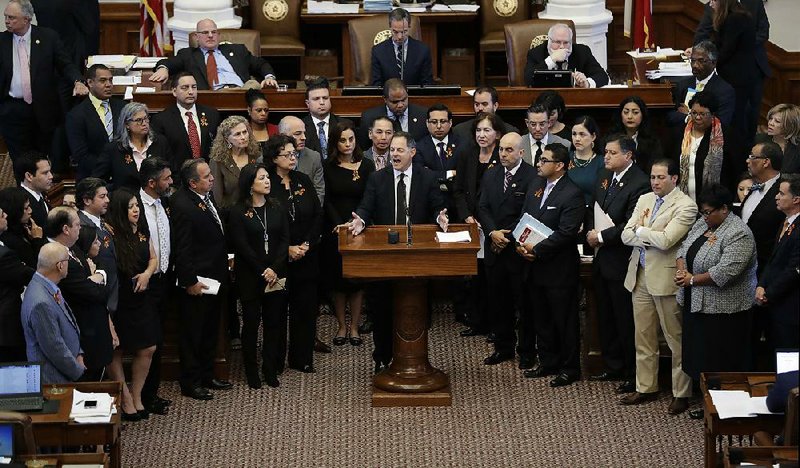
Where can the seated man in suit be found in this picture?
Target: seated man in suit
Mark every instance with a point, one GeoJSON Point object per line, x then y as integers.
{"type": "Point", "coordinates": [214, 65]}
{"type": "Point", "coordinates": [403, 57]}
{"type": "Point", "coordinates": [90, 124]}
{"type": "Point", "coordinates": [538, 123]}
{"type": "Point", "coordinates": [14, 276]}
{"type": "Point", "coordinates": [397, 194]}
{"type": "Point", "coordinates": [32, 172]}
{"type": "Point", "coordinates": [309, 162]}
{"type": "Point", "coordinates": [560, 53]}
{"type": "Point", "coordinates": [189, 127]}
{"type": "Point", "coordinates": [551, 305]}
{"type": "Point", "coordinates": [51, 331]}
{"type": "Point", "coordinates": [380, 134]}
{"type": "Point", "coordinates": [319, 119]}
{"type": "Point", "coordinates": [484, 99]}
{"type": "Point", "coordinates": [705, 78]}
{"type": "Point", "coordinates": [409, 118]}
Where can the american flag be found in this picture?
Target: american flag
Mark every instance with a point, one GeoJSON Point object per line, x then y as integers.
{"type": "Point", "coordinates": [153, 32]}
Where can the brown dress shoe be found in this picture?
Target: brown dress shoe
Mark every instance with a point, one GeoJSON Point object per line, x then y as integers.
{"type": "Point", "coordinates": [637, 398]}
{"type": "Point", "coordinates": [678, 405]}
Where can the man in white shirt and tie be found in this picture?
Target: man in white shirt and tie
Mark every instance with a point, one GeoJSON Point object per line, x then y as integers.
{"type": "Point", "coordinates": [538, 122]}
{"type": "Point", "coordinates": [319, 119]}
{"type": "Point", "coordinates": [704, 62]}
{"type": "Point", "coordinates": [32, 171]}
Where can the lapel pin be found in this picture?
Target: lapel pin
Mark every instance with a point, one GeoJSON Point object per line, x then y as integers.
{"type": "Point", "coordinates": [37, 41]}
{"type": "Point", "coordinates": [231, 54]}
{"type": "Point", "coordinates": [415, 119]}
{"type": "Point", "coordinates": [621, 184]}
{"type": "Point", "coordinates": [513, 185]}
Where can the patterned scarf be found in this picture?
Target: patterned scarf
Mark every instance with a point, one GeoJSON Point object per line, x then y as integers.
{"type": "Point", "coordinates": [712, 166]}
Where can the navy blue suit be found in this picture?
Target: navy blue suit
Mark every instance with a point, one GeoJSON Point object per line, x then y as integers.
{"type": "Point", "coordinates": [417, 69]}
{"type": "Point", "coordinates": [87, 136]}
{"type": "Point", "coordinates": [781, 282]}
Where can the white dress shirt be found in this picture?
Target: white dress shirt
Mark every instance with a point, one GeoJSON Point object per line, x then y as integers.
{"type": "Point", "coordinates": [407, 181]}
{"type": "Point", "coordinates": [151, 214]}
{"type": "Point", "coordinates": [755, 197]}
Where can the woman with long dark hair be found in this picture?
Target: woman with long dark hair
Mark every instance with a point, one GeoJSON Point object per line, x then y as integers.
{"type": "Point", "coordinates": [633, 120]}
{"type": "Point", "coordinates": [22, 236]}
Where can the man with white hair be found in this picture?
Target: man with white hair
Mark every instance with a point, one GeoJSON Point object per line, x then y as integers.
{"type": "Point", "coordinates": [560, 53]}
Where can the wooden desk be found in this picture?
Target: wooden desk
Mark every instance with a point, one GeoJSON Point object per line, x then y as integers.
{"type": "Point", "coordinates": [429, 22]}
{"type": "Point", "coordinates": [57, 430]}
{"type": "Point", "coordinates": [762, 456]}
{"type": "Point", "coordinates": [61, 459]}
{"type": "Point", "coordinates": [756, 384]}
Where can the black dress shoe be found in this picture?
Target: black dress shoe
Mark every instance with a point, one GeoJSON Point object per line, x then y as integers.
{"type": "Point", "coordinates": [606, 376]}
{"type": "Point", "coordinates": [562, 380]}
{"type": "Point", "coordinates": [216, 384]}
{"type": "Point", "coordinates": [162, 401]}
{"type": "Point", "coordinates": [491, 338]}
{"type": "Point", "coordinates": [497, 358]}
{"type": "Point", "coordinates": [526, 363]}
{"type": "Point", "coordinates": [272, 381]}
{"type": "Point", "coordinates": [144, 414]}
{"type": "Point", "coordinates": [678, 405]}
{"type": "Point", "coordinates": [366, 327]}
{"type": "Point", "coordinates": [380, 367]}
{"type": "Point", "coordinates": [537, 372]}
{"type": "Point", "coordinates": [321, 347]}
{"type": "Point", "coordinates": [628, 386]}
{"type": "Point", "coordinates": [156, 407]}
{"type": "Point", "coordinates": [697, 413]}
{"type": "Point", "coordinates": [340, 340]}
{"type": "Point", "coordinates": [198, 393]}
{"type": "Point", "coordinates": [356, 341]}
{"type": "Point", "coordinates": [308, 368]}
{"type": "Point", "coordinates": [471, 332]}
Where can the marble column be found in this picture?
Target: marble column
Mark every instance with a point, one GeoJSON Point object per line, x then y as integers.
{"type": "Point", "coordinates": [188, 12]}
{"type": "Point", "coordinates": [591, 20]}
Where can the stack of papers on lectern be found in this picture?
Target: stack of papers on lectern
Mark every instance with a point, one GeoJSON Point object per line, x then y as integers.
{"type": "Point", "coordinates": [99, 413]}
{"type": "Point", "coordinates": [738, 404]}
{"type": "Point", "coordinates": [146, 63]}
{"type": "Point", "coordinates": [530, 231]}
{"type": "Point", "coordinates": [331, 7]}
{"type": "Point", "coordinates": [379, 5]}
{"type": "Point", "coordinates": [449, 237]}
{"type": "Point", "coordinates": [670, 69]}
{"type": "Point", "coordinates": [119, 64]}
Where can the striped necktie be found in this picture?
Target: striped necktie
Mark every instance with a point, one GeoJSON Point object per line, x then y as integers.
{"type": "Point", "coordinates": [107, 119]}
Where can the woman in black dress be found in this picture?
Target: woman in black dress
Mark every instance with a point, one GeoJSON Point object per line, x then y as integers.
{"type": "Point", "coordinates": [23, 235]}
{"type": "Point", "coordinates": [346, 174]}
{"type": "Point", "coordinates": [633, 120]}
{"type": "Point", "coordinates": [295, 191]}
{"type": "Point", "coordinates": [136, 320]}
{"type": "Point", "coordinates": [259, 234]}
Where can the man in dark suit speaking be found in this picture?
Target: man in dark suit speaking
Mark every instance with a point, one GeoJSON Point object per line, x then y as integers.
{"type": "Point", "coordinates": [561, 54]}
{"type": "Point", "coordinates": [403, 57]}
{"type": "Point", "coordinates": [215, 65]}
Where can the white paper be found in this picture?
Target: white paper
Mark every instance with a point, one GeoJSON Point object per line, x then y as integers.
{"type": "Point", "coordinates": [786, 361]}
{"type": "Point", "coordinates": [467, 8]}
{"type": "Point", "coordinates": [482, 239]}
{"type": "Point", "coordinates": [145, 89]}
{"type": "Point", "coordinates": [758, 405]}
{"type": "Point", "coordinates": [453, 237]}
{"type": "Point", "coordinates": [99, 414]}
{"type": "Point", "coordinates": [126, 80]}
{"type": "Point", "coordinates": [279, 285]}
{"type": "Point", "coordinates": [530, 231]}
{"type": "Point", "coordinates": [732, 403]}
{"type": "Point", "coordinates": [128, 93]}
{"type": "Point", "coordinates": [471, 92]}
{"type": "Point", "coordinates": [331, 7]}
{"type": "Point", "coordinates": [106, 58]}
{"type": "Point", "coordinates": [601, 219]}
{"type": "Point", "coordinates": [213, 285]}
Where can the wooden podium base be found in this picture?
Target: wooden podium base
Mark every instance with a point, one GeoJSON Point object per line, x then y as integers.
{"type": "Point", "coordinates": [384, 399]}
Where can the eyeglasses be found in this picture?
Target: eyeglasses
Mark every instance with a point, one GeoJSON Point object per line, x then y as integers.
{"type": "Point", "coordinates": [754, 157]}
{"type": "Point", "coordinates": [699, 114]}
{"type": "Point", "coordinates": [707, 213]}
{"type": "Point", "coordinates": [438, 122]}
{"type": "Point", "coordinates": [212, 32]}
{"type": "Point", "coordinates": [545, 161]}
{"type": "Point", "coordinates": [536, 124]}
{"type": "Point", "coordinates": [140, 120]}
{"type": "Point", "coordinates": [292, 154]}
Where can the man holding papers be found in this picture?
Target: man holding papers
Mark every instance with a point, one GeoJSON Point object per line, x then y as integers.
{"type": "Point", "coordinates": [501, 200]}
{"type": "Point", "coordinates": [656, 228]}
{"type": "Point", "coordinates": [552, 278]}
{"type": "Point", "coordinates": [618, 188]}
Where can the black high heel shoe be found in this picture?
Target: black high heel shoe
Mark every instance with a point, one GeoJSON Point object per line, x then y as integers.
{"type": "Point", "coordinates": [272, 381]}
{"type": "Point", "coordinates": [131, 417]}
{"type": "Point", "coordinates": [340, 340]}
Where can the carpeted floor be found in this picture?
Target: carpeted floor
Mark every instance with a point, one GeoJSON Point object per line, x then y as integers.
{"type": "Point", "coordinates": [498, 419]}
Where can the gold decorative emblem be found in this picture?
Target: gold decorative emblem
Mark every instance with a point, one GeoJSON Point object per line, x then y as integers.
{"type": "Point", "coordinates": [538, 40]}
{"type": "Point", "coordinates": [505, 7]}
{"type": "Point", "coordinates": [382, 36]}
{"type": "Point", "coordinates": [142, 237]}
{"type": "Point", "coordinates": [275, 10]}
{"type": "Point", "coordinates": [128, 159]}
{"type": "Point", "coordinates": [203, 120]}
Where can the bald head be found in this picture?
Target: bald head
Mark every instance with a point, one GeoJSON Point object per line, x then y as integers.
{"type": "Point", "coordinates": [510, 150]}
{"type": "Point", "coordinates": [52, 261]}
{"type": "Point", "coordinates": [295, 128]}
{"type": "Point", "coordinates": [207, 34]}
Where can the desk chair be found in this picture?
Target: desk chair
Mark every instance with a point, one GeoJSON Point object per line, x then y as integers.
{"type": "Point", "coordinates": [278, 24]}
{"type": "Point", "coordinates": [367, 32]}
{"type": "Point", "coordinates": [494, 15]}
{"type": "Point", "coordinates": [790, 433]}
{"type": "Point", "coordinates": [522, 36]}
{"type": "Point", "coordinates": [249, 37]}
{"type": "Point", "coordinates": [24, 443]}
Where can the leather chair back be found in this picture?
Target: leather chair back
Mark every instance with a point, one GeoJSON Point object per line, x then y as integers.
{"type": "Point", "coordinates": [249, 37]}
{"type": "Point", "coordinates": [790, 428]}
{"type": "Point", "coordinates": [278, 22]}
{"type": "Point", "coordinates": [367, 32]}
{"type": "Point", "coordinates": [24, 442]}
{"type": "Point", "coordinates": [520, 38]}
{"type": "Point", "coordinates": [497, 13]}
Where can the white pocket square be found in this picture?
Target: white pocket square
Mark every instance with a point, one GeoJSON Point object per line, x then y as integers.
{"type": "Point", "coordinates": [552, 207]}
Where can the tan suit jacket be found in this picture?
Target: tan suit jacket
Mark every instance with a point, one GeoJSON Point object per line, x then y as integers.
{"type": "Point", "coordinates": [660, 238]}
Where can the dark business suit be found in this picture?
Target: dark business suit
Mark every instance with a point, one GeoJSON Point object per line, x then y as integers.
{"type": "Point", "coordinates": [106, 259]}
{"type": "Point", "coordinates": [86, 134]}
{"type": "Point", "coordinates": [169, 123]}
{"type": "Point", "coordinates": [721, 89]}
{"type": "Point", "coordinates": [610, 266]}
{"type": "Point", "coordinates": [464, 134]}
{"type": "Point", "coordinates": [77, 23]}
{"type": "Point", "coordinates": [247, 239]}
{"type": "Point", "coordinates": [497, 210]}
{"type": "Point", "coordinates": [378, 207]}
{"type": "Point", "coordinates": [428, 157]}
{"type": "Point", "coordinates": [781, 282]}
{"type": "Point", "coordinates": [736, 41]}
{"type": "Point", "coordinates": [199, 249]}
{"type": "Point", "coordinates": [32, 126]}
{"type": "Point", "coordinates": [116, 164]}
{"type": "Point", "coordinates": [552, 277]}
{"type": "Point", "coordinates": [312, 133]}
{"type": "Point", "coordinates": [764, 222]}
{"type": "Point", "coordinates": [39, 208]}
{"type": "Point", "coordinates": [648, 150]}
{"type": "Point", "coordinates": [26, 249]}
{"type": "Point", "coordinates": [14, 276]}
{"type": "Point", "coordinates": [466, 187]}
{"type": "Point", "coordinates": [779, 393]}
{"type": "Point", "coordinates": [581, 59]}
{"type": "Point", "coordinates": [416, 119]}
{"type": "Point", "coordinates": [417, 69]}
{"type": "Point", "coordinates": [192, 60]}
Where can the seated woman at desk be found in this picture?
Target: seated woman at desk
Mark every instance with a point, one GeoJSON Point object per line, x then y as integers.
{"type": "Point", "coordinates": [633, 120]}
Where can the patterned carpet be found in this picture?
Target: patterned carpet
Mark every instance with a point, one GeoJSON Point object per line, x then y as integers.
{"type": "Point", "coordinates": [498, 419]}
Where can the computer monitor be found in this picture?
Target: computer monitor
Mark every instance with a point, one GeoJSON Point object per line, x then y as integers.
{"type": "Point", "coordinates": [552, 79]}
{"type": "Point", "coordinates": [362, 91]}
{"type": "Point", "coordinates": [6, 442]}
{"type": "Point", "coordinates": [434, 90]}
{"type": "Point", "coordinates": [21, 386]}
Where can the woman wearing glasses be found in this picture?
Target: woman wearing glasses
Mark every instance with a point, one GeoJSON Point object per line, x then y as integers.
{"type": "Point", "coordinates": [134, 141]}
{"type": "Point", "coordinates": [295, 191]}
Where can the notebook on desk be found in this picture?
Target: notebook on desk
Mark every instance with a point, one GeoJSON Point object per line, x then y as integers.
{"type": "Point", "coordinates": [21, 386]}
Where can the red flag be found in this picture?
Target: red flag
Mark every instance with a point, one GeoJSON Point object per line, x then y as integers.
{"type": "Point", "coordinates": [643, 25]}
{"type": "Point", "coordinates": [153, 32]}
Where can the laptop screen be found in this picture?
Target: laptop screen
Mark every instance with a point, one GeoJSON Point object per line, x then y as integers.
{"type": "Point", "coordinates": [6, 442]}
{"type": "Point", "coordinates": [20, 379]}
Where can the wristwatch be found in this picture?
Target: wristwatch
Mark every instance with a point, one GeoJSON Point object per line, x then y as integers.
{"type": "Point", "coordinates": [691, 281]}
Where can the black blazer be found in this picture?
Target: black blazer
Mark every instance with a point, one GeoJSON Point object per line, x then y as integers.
{"type": "Point", "coordinates": [77, 23]}
{"type": "Point", "coordinates": [116, 164]}
{"type": "Point", "coordinates": [705, 30]}
{"type": "Point", "coordinates": [191, 59]}
{"type": "Point", "coordinates": [581, 59]}
{"type": "Point", "coordinates": [465, 136]}
{"type": "Point", "coordinates": [247, 239]}
{"type": "Point", "coordinates": [428, 155]}
{"type": "Point", "coordinates": [611, 260]}
{"type": "Point", "coordinates": [736, 41]}
{"type": "Point", "coordinates": [417, 126]}
{"type": "Point", "coordinates": [557, 261]}
{"type": "Point", "coordinates": [312, 133]}
{"type": "Point", "coordinates": [466, 186]}
{"type": "Point", "coordinates": [781, 277]}
{"type": "Point", "coordinates": [733, 158]}
{"type": "Point", "coordinates": [87, 135]}
{"type": "Point", "coordinates": [417, 69]}
{"type": "Point", "coordinates": [14, 276]}
{"type": "Point", "coordinates": [765, 221]}
{"type": "Point", "coordinates": [27, 250]}
{"type": "Point", "coordinates": [501, 210]}
{"type": "Point", "coordinates": [378, 204]}
{"type": "Point", "coordinates": [721, 89]}
{"type": "Point", "coordinates": [169, 123]}
{"type": "Point", "coordinates": [39, 211]}
{"type": "Point", "coordinates": [106, 260]}
{"type": "Point", "coordinates": [198, 244]}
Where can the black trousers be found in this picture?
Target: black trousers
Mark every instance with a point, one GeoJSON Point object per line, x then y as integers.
{"type": "Point", "coordinates": [270, 311]}
{"type": "Point", "coordinates": [615, 314]}
{"type": "Point", "coordinates": [504, 280]}
{"type": "Point", "coordinates": [380, 295]}
{"type": "Point", "coordinates": [159, 290]}
{"type": "Point", "coordinates": [303, 308]}
{"type": "Point", "coordinates": [199, 319]}
{"type": "Point", "coordinates": [555, 311]}
{"type": "Point", "coordinates": [474, 297]}
{"type": "Point", "coordinates": [21, 130]}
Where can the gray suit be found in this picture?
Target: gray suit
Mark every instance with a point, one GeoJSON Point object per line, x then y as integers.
{"type": "Point", "coordinates": [527, 156]}
{"type": "Point", "coordinates": [51, 332]}
{"type": "Point", "coordinates": [368, 155]}
{"type": "Point", "coordinates": [309, 162]}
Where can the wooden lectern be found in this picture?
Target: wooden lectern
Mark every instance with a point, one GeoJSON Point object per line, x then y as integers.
{"type": "Point", "coordinates": [410, 380]}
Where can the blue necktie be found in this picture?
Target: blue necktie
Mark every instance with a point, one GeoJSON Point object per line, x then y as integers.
{"type": "Point", "coordinates": [323, 140]}
{"type": "Point", "coordinates": [659, 202]}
